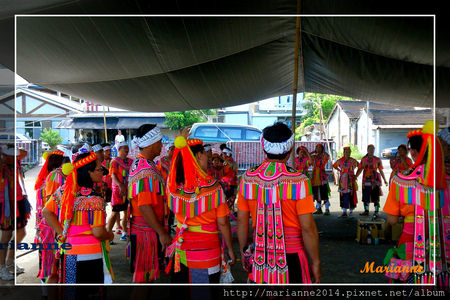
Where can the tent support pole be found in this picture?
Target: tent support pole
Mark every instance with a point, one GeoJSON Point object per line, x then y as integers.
{"type": "Point", "coordinates": [325, 133]}
{"type": "Point", "coordinates": [297, 54]}
{"type": "Point", "coordinates": [104, 124]}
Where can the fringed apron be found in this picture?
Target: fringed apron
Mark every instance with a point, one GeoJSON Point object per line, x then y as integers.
{"type": "Point", "coordinates": [270, 184]}
{"type": "Point", "coordinates": [143, 250]}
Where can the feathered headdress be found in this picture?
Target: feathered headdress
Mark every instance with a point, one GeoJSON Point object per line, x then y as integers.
{"type": "Point", "coordinates": [44, 172]}
{"type": "Point", "coordinates": [433, 169]}
{"type": "Point", "coordinates": [71, 185]}
{"type": "Point", "coordinates": [194, 174]}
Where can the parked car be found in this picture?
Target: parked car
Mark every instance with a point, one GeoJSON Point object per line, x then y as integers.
{"type": "Point", "coordinates": [389, 152]}
{"type": "Point", "coordinates": [224, 132]}
{"type": "Point", "coordinates": [10, 137]}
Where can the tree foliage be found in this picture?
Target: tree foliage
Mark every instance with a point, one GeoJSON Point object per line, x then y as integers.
{"type": "Point", "coordinates": [180, 119]}
{"type": "Point", "coordinates": [311, 106]}
{"type": "Point", "coordinates": [51, 137]}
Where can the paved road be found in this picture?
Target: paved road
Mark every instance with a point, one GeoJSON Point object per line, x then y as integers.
{"type": "Point", "coordinates": [341, 257]}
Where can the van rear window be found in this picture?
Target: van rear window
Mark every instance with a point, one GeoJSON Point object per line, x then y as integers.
{"type": "Point", "coordinates": [206, 132]}
{"type": "Point", "coordinates": [252, 135]}
{"type": "Point", "coordinates": [232, 133]}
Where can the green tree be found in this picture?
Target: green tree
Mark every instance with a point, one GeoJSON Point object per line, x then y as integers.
{"type": "Point", "coordinates": [51, 137]}
{"type": "Point", "coordinates": [180, 119]}
{"type": "Point", "coordinates": [311, 106]}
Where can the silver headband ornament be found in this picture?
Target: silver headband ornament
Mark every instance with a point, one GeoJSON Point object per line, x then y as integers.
{"type": "Point", "coordinates": [149, 138]}
{"type": "Point", "coordinates": [277, 148]}
{"type": "Point", "coordinates": [97, 148]}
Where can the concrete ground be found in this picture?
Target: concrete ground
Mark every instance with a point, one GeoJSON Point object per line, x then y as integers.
{"type": "Point", "coordinates": [341, 256]}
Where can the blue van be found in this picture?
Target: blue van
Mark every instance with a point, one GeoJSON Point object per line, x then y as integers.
{"type": "Point", "coordinates": [224, 132]}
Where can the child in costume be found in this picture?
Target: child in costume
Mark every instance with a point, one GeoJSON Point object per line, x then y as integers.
{"type": "Point", "coordinates": [346, 166]}
{"type": "Point", "coordinates": [229, 178]}
{"type": "Point", "coordinates": [120, 168]}
{"type": "Point", "coordinates": [411, 195]}
{"type": "Point", "coordinates": [198, 202]}
{"type": "Point", "coordinates": [279, 200]}
{"type": "Point", "coordinates": [216, 171]}
{"type": "Point", "coordinates": [371, 181]}
{"type": "Point", "coordinates": [107, 180]}
{"type": "Point", "coordinates": [146, 192]}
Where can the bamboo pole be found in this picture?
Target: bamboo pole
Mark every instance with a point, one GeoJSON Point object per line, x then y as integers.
{"type": "Point", "coordinates": [297, 53]}
{"type": "Point", "coordinates": [325, 132]}
{"type": "Point", "coordinates": [104, 124]}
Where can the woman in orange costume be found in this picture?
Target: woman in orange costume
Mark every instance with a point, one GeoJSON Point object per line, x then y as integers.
{"type": "Point", "coordinates": [401, 162]}
{"type": "Point", "coordinates": [79, 220]}
{"type": "Point", "coordinates": [198, 202]}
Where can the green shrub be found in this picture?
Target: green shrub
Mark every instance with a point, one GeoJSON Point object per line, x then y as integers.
{"type": "Point", "coordinates": [51, 137]}
{"type": "Point", "coordinates": [355, 152]}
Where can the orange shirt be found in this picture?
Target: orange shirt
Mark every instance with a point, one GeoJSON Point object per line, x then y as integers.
{"type": "Point", "coordinates": [148, 198]}
{"type": "Point", "coordinates": [208, 217]}
{"type": "Point", "coordinates": [291, 209]}
{"type": "Point", "coordinates": [395, 207]}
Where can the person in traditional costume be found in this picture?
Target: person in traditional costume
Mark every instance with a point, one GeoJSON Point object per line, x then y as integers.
{"type": "Point", "coordinates": [346, 166]}
{"type": "Point", "coordinates": [412, 196]}
{"type": "Point", "coordinates": [209, 152]}
{"type": "Point", "coordinates": [216, 171]}
{"type": "Point", "coordinates": [79, 219]}
{"type": "Point", "coordinates": [120, 168]}
{"type": "Point", "coordinates": [199, 204]}
{"type": "Point", "coordinates": [303, 160]}
{"type": "Point", "coordinates": [319, 179]}
{"type": "Point", "coordinates": [280, 202]}
{"type": "Point", "coordinates": [50, 178]}
{"type": "Point", "coordinates": [106, 163]}
{"type": "Point", "coordinates": [22, 206]}
{"type": "Point", "coordinates": [371, 181]}
{"type": "Point", "coordinates": [401, 162]}
{"type": "Point", "coordinates": [146, 191]}
{"type": "Point", "coordinates": [229, 178]}
{"type": "Point", "coordinates": [7, 206]}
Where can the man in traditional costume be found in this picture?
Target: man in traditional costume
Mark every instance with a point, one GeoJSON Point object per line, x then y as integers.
{"type": "Point", "coordinates": [146, 189]}
{"type": "Point", "coordinates": [198, 202]}
{"type": "Point", "coordinates": [279, 201]}
{"type": "Point", "coordinates": [412, 196]}
{"type": "Point", "coordinates": [346, 166]}
{"type": "Point", "coordinates": [371, 181]}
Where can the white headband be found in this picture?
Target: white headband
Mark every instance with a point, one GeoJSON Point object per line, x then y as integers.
{"type": "Point", "coordinates": [107, 148]}
{"type": "Point", "coordinates": [149, 138]}
{"type": "Point", "coordinates": [67, 152]}
{"type": "Point", "coordinates": [97, 148]}
{"type": "Point", "coordinates": [121, 144]}
{"type": "Point", "coordinates": [11, 151]}
{"type": "Point", "coordinates": [227, 152]}
{"type": "Point", "coordinates": [207, 148]}
{"type": "Point", "coordinates": [278, 148]}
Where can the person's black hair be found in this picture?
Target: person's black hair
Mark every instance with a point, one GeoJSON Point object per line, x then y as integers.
{"type": "Point", "coordinates": [402, 146]}
{"type": "Point", "coordinates": [415, 142]}
{"type": "Point", "coordinates": [83, 177]}
{"type": "Point", "coordinates": [104, 145]}
{"type": "Point", "coordinates": [54, 161]}
{"type": "Point", "coordinates": [277, 133]}
{"type": "Point", "coordinates": [77, 147]}
{"type": "Point", "coordinates": [222, 146]}
{"type": "Point", "coordinates": [143, 129]}
{"type": "Point", "coordinates": [298, 150]}
{"type": "Point", "coordinates": [180, 169]}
